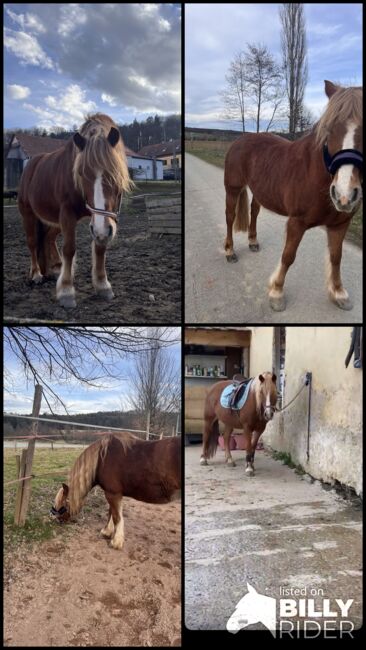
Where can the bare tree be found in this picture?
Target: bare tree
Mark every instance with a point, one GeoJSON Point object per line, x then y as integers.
{"type": "Point", "coordinates": [234, 94]}
{"type": "Point", "coordinates": [87, 354]}
{"type": "Point", "coordinates": [293, 43]}
{"type": "Point", "coordinates": [263, 77]}
{"type": "Point", "coordinates": [156, 385]}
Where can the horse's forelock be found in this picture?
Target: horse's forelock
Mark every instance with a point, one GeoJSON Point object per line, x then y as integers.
{"type": "Point", "coordinates": [344, 106]}
{"type": "Point", "coordinates": [98, 154]}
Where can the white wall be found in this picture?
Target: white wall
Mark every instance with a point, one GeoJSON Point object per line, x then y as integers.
{"type": "Point", "coordinates": [336, 402]}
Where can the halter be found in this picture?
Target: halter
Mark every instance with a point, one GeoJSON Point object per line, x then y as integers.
{"type": "Point", "coordinates": [55, 512]}
{"type": "Point", "coordinates": [104, 213]}
{"type": "Point", "coordinates": [342, 157]}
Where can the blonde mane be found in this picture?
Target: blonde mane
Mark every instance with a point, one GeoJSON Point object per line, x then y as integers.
{"type": "Point", "coordinates": [83, 471]}
{"type": "Point", "coordinates": [98, 154]}
{"type": "Point", "coordinates": [345, 105]}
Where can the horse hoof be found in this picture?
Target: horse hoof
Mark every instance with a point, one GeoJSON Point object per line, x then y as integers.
{"type": "Point", "coordinates": [106, 533]}
{"type": "Point", "coordinates": [203, 461]}
{"type": "Point", "coordinates": [106, 294]}
{"type": "Point", "coordinates": [254, 247]}
{"type": "Point", "coordinates": [278, 304]}
{"type": "Point", "coordinates": [231, 463]}
{"type": "Point", "coordinates": [345, 304]}
{"type": "Point", "coordinates": [67, 302]}
{"type": "Point", "coordinates": [231, 258]}
{"type": "Point", "coordinates": [249, 471]}
{"type": "Point", "coordinates": [37, 279]}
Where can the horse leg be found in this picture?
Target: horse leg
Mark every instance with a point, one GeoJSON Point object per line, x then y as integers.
{"type": "Point", "coordinates": [252, 232]}
{"type": "Point", "coordinates": [207, 431]}
{"type": "Point", "coordinates": [65, 290]}
{"type": "Point", "coordinates": [228, 457]}
{"type": "Point", "coordinates": [336, 291]}
{"type": "Point", "coordinates": [108, 530]}
{"type": "Point", "coordinates": [254, 441]}
{"type": "Point", "coordinates": [99, 274]}
{"type": "Point", "coordinates": [53, 258]}
{"type": "Point", "coordinates": [115, 503]}
{"type": "Point", "coordinates": [232, 195]}
{"type": "Point", "coordinates": [249, 469]}
{"type": "Point", "coordinates": [294, 235]}
{"type": "Point", "coordinates": [31, 227]}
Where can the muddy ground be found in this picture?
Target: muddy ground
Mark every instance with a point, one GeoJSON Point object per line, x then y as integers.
{"type": "Point", "coordinates": [76, 590]}
{"type": "Point", "coordinates": [145, 273]}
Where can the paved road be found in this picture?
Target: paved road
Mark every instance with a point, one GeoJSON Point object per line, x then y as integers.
{"type": "Point", "coordinates": [218, 292]}
{"type": "Point", "coordinates": [273, 531]}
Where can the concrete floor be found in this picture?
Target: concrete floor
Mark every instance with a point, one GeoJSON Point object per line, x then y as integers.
{"type": "Point", "coordinates": [274, 531]}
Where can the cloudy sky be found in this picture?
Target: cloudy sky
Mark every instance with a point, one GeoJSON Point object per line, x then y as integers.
{"type": "Point", "coordinates": [215, 33]}
{"type": "Point", "coordinates": [64, 60]}
{"type": "Point", "coordinates": [18, 396]}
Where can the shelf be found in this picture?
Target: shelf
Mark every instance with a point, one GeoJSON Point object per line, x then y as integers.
{"type": "Point", "coordinates": [204, 377]}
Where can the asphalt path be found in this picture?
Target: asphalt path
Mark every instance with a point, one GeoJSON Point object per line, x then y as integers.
{"type": "Point", "coordinates": [219, 292]}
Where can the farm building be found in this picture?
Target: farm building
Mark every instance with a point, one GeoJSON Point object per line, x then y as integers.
{"type": "Point", "coordinates": [322, 435]}
{"type": "Point", "coordinates": [169, 152]}
{"type": "Point", "coordinates": [23, 147]}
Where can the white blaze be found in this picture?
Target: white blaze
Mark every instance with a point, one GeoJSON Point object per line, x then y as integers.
{"type": "Point", "coordinates": [99, 202]}
{"type": "Point", "coordinates": [345, 172]}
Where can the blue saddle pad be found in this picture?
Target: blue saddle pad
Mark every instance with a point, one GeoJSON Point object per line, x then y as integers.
{"type": "Point", "coordinates": [227, 392]}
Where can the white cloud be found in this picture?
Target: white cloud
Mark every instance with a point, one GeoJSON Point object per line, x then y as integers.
{"type": "Point", "coordinates": [27, 49]}
{"type": "Point", "coordinates": [108, 99]}
{"type": "Point", "coordinates": [72, 15]}
{"type": "Point", "coordinates": [27, 21]}
{"type": "Point", "coordinates": [18, 92]}
{"type": "Point", "coordinates": [65, 109]}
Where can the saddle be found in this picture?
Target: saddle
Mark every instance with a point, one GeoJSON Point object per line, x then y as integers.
{"type": "Point", "coordinates": [240, 382]}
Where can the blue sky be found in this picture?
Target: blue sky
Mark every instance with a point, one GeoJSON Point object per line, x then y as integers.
{"type": "Point", "coordinates": [65, 60]}
{"type": "Point", "coordinates": [214, 33]}
{"type": "Point", "coordinates": [113, 396]}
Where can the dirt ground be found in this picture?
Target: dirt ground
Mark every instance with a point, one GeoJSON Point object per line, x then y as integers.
{"type": "Point", "coordinates": [76, 590]}
{"type": "Point", "coordinates": [145, 274]}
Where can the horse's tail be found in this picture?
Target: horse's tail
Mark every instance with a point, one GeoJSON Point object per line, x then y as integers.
{"type": "Point", "coordinates": [213, 440]}
{"type": "Point", "coordinates": [83, 472]}
{"type": "Point", "coordinates": [41, 247]}
{"type": "Point", "coordinates": [241, 221]}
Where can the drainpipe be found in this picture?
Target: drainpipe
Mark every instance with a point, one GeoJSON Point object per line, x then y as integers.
{"type": "Point", "coordinates": [308, 379]}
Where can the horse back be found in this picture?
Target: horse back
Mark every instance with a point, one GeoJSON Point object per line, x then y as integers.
{"type": "Point", "coordinates": [148, 471]}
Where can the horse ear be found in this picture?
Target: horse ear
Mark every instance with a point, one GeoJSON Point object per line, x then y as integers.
{"type": "Point", "coordinates": [261, 378]}
{"type": "Point", "coordinates": [330, 88]}
{"type": "Point", "coordinates": [79, 141]}
{"type": "Point", "coordinates": [66, 489]}
{"type": "Point", "coordinates": [274, 378]}
{"type": "Point", "coordinates": [113, 136]}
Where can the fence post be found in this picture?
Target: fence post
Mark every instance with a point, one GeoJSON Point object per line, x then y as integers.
{"type": "Point", "coordinates": [148, 426]}
{"type": "Point", "coordinates": [29, 456]}
{"type": "Point", "coordinates": [18, 500]}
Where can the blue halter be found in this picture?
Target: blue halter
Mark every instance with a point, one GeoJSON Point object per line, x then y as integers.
{"type": "Point", "coordinates": [342, 157]}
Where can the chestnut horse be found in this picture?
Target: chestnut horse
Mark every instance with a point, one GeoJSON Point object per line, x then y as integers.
{"type": "Point", "coordinates": [253, 417]}
{"type": "Point", "coordinates": [85, 178]}
{"type": "Point", "coordinates": [122, 465]}
{"type": "Point", "coordinates": [315, 181]}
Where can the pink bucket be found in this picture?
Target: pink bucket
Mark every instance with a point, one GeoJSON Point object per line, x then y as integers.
{"type": "Point", "coordinates": [232, 443]}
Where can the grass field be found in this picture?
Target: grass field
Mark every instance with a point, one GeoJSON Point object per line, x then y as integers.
{"type": "Point", "coordinates": [38, 526]}
{"type": "Point", "coordinates": [214, 152]}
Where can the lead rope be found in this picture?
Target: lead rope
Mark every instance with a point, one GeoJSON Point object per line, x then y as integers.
{"type": "Point", "coordinates": [293, 399]}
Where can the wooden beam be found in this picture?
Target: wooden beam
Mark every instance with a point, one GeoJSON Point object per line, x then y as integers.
{"type": "Point", "coordinates": [219, 338]}
{"type": "Point", "coordinates": [29, 456]}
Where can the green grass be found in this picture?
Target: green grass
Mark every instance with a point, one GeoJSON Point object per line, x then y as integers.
{"type": "Point", "coordinates": [214, 152]}
{"type": "Point", "coordinates": [38, 525]}
{"type": "Point", "coordinates": [286, 459]}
